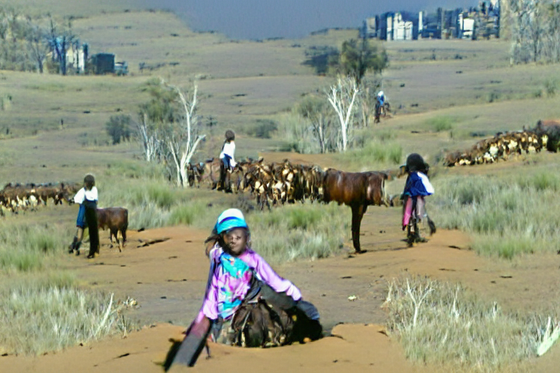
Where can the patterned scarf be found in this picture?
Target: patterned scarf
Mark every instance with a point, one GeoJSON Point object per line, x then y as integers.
{"type": "Point", "coordinates": [234, 281]}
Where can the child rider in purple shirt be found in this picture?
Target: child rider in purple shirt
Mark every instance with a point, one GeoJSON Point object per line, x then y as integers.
{"type": "Point", "coordinates": [238, 275]}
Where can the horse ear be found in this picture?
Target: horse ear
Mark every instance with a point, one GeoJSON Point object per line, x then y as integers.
{"type": "Point", "coordinates": [389, 175]}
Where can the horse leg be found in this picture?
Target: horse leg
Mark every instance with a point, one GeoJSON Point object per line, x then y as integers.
{"type": "Point", "coordinates": [357, 215]}
{"type": "Point", "coordinates": [221, 181]}
{"type": "Point", "coordinates": [227, 181]}
{"type": "Point", "coordinates": [409, 235]}
{"type": "Point", "coordinates": [432, 226]}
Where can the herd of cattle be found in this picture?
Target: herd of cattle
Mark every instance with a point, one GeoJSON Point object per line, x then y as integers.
{"type": "Point", "coordinates": [270, 183]}
{"type": "Point", "coordinates": [17, 197]}
{"type": "Point", "coordinates": [545, 135]}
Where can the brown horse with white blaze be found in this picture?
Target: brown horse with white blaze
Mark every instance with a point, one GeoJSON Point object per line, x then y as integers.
{"type": "Point", "coordinates": [357, 190]}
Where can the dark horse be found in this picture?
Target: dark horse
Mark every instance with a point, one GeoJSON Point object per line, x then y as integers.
{"type": "Point", "coordinates": [381, 110]}
{"type": "Point", "coordinates": [357, 190]}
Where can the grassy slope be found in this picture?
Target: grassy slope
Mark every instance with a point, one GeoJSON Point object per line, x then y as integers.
{"type": "Point", "coordinates": [244, 81]}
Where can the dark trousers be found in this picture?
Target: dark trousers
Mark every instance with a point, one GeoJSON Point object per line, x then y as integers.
{"type": "Point", "coordinates": [91, 221]}
{"type": "Point", "coordinates": [224, 175]}
{"type": "Point", "coordinates": [285, 302]}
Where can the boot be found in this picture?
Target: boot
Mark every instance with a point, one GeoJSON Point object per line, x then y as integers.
{"type": "Point", "coordinates": [77, 247]}
{"type": "Point", "coordinates": [72, 246]}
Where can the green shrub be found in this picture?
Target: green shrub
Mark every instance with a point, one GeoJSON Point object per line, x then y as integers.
{"type": "Point", "coordinates": [303, 218]}
{"type": "Point", "coordinates": [118, 128]}
{"type": "Point", "coordinates": [163, 196]}
{"type": "Point", "coordinates": [541, 181]}
{"type": "Point", "coordinates": [297, 134]}
{"type": "Point", "coordinates": [21, 261]}
{"type": "Point", "coordinates": [385, 153]}
{"type": "Point", "coordinates": [147, 216]}
{"type": "Point", "coordinates": [440, 124]}
{"type": "Point", "coordinates": [187, 214]}
{"type": "Point", "coordinates": [493, 97]}
{"type": "Point", "coordinates": [550, 87]}
{"type": "Point", "coordinates": [294, 232]}
{"type": "Point", "coordinates": [385, 135]}
{"type": "Point", "coordinates": [508, 245]}
{"type": "Point", "coordinates": [135, 170]}
{"type": "Point", "coordinates": [263, 129]}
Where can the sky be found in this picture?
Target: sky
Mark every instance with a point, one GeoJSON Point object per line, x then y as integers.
{"type": "Point", "coordinates": [290, 19]}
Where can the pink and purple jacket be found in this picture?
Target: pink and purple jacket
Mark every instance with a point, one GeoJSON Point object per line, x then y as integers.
{"type": "Point", "coordinates": [228, 282]}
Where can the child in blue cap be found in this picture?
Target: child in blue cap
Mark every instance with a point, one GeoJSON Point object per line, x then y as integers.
{"type": "Point", "coordinates": [241, 281]}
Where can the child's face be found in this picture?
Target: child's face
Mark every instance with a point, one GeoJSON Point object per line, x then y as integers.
{"type": "Point", "coordinates": [236, 239]}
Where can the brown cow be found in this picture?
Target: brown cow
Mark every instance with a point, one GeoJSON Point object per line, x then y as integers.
{"type": "Point", "coordinates": [116, 219]}
{"type": "Point", "coordinates": [357, 190]}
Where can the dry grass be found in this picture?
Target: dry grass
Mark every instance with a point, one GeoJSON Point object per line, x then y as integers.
{"type": "Point", "coordinates": [507, 214]}
{"type": "Point", "coordinates": [35, 320]}
{"type": "Point", "coordinates": [300, 232]}
{"type": "Point", "coordinates": [447, 325]}
{"type": "Point", "coordinates": [30, 247]}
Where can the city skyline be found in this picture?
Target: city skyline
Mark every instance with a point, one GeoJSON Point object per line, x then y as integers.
{"type": "Point", "coordinates": [291, 19]}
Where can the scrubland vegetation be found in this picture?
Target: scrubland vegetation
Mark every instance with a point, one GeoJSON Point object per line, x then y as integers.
{"type": "Point", "coordinates": [28, 247]}
{"type": "Point", "coordinates": [47, 317]}
{"type": "Point", "coordinates": [300, 232]}
{"type": "Point", "coordinates": [449, 325]}
{"type": "Point", "coordinates": [508, 215]}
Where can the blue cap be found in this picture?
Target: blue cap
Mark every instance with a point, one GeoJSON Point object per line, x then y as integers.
{"type": "Point", "coordinates": [230, 219]}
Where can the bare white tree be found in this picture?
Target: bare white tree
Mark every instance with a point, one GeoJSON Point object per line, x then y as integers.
{"type": "Point", "coordinates": [342, 97]}
{"type": "Point", "coordinates": [183, 139]}
{"type": "Point", "coordinates": [317, 112]}
{"type": "Point", "coordinates": [148, 136]}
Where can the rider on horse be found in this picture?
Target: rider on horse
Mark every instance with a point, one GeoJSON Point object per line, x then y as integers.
{"type": "Point", "coordinates": [381, 102]}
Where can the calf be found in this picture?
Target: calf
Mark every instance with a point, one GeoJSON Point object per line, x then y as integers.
{"type": "Point", "coordinates": [116, 219]}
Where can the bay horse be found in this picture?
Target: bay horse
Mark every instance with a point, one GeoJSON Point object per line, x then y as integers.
{"type": "Point", "coordinates": [357, 190]}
